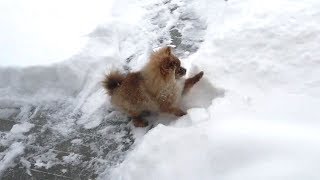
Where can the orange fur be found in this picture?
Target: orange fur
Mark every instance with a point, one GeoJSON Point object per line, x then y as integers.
{"type": "Point", "coordinates": [153, 89]}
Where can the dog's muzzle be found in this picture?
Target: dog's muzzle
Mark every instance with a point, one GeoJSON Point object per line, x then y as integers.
{"type": "Point", "coordinates": [182, 71]}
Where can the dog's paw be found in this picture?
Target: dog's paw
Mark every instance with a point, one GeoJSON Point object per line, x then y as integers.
{"type": "Point", "coordinates": [179, 113]}
{"type": "Point", "coordinates": [139, 123]}
{"type": "Point", "coordinates": [199, 76]}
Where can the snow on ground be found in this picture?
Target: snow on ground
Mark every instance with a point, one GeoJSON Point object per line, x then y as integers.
{"type": "Point", "coordinates": [265, 56]}
{"type": "Point", "coordinates": [43, 32]}
{"type": "Point", "coordinates": [253, 115]}
{"type": "Point", "coordinates": [21, 128]}
{"type": "Point", "coordinates": [15, 150]}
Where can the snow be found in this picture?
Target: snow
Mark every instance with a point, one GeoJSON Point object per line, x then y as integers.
{"type": "Point", "coordinates": [21, 128]}
{"type": "Point", "coordinates": [266, 125]}
{"type": "Point", "coordinates": [198, 115]}
{"type": "Point", "coordinates": [72, 158]}
{"type": "Point", "coordinates": [44, 32]}
{"type": "Point", "coordinates": [254, 115]}
{"type": "Point", "coordinates": [14, 150]}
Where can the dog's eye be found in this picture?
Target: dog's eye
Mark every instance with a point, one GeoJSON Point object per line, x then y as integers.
{"type": "Point", "coordinates": [177, 62]}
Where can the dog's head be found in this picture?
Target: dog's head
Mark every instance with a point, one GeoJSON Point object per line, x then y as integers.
{"type": "Point", "coordinates": [170, 64]}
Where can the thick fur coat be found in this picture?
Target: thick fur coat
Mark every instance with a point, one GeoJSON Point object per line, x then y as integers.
{"type": "Point", "coordinates": [154, 88]}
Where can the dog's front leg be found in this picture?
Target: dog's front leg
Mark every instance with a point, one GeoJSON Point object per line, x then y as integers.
{"type": "Point", "coordinates": [137, 120]}
{"type": "Point", "coordinates": [188, 84]}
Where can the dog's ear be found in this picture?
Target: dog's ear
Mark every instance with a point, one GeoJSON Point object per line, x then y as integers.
{"type": "Point", "coordinates": [167, 50]}
{"type": "Point", "coordinates": [166, 66]}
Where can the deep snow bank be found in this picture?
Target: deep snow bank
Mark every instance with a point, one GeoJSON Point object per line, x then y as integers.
{"type": "Point", "coordinates": [264, 54]}
{"type": "Point", "coordinates": [44, 32]}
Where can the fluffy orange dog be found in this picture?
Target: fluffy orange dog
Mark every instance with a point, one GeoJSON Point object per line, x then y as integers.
{"type": "Point", "coordinates": [153, 89]}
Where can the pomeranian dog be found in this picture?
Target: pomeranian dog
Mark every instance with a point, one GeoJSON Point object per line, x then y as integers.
{"type": "Point", "coordinates": [153, 89]}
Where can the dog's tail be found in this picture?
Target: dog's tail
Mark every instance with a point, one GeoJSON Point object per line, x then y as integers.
{"type": "Point", "coordinates": [112, 81]}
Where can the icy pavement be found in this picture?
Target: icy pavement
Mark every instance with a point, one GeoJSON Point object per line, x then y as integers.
{"type": "Point", "coordinates": [54, 139]}
{"type": "Point", "coordinates": [46, 153]}
{"type": "Point", "coordinates": [61, 120]}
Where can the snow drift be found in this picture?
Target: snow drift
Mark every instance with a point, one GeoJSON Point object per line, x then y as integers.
{"type": "Point", "coordinates": [264, 56]}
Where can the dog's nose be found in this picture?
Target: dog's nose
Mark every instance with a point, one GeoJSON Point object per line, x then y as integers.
{"type": "Point", "coordinates": [183, 71]}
